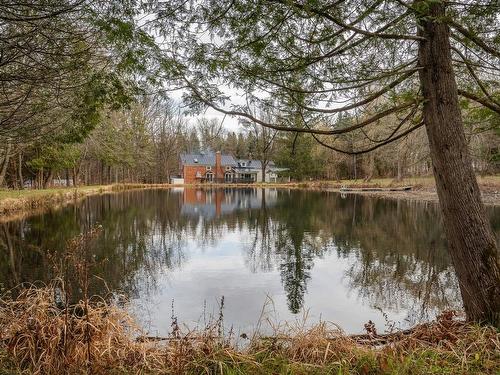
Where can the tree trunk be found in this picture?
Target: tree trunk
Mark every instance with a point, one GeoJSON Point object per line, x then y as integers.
{"type": "Point", "coordinates": [20, 170]}
{"type": "Point", "coordinates": [471, 243]}
{"type": "Point", "coordinates": [75, 176]}
{"type": "Point", "coordinates": [371, 167]}
{"type": "Point", "coordinates": [101, 175]}
{"type": "Point", "coordinates": [355, 169]}
{"type": "Point", "coordinates": [47, 180]}
{"type": "Point", "coordinates": [3, 170]}
{"type": "Point", "coordinates": [39, 178]}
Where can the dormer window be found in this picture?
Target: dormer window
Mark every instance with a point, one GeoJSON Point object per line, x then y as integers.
{"type": "Point", "coordinates": [195, 160]}
{"type": "Point", "coordinates": [209, 168]}
{"type": "Point", "coordinates": [243, 164]}
{"type": "Point", "coordinates": [228, 168]}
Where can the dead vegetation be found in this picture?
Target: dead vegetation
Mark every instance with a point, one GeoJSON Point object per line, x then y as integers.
{"type": "Point", "coordinates": [42, 332]}
{"type": "Point", "coordinates": [15, 203]}
{"type": "Point", "coordinates": [40, 335]}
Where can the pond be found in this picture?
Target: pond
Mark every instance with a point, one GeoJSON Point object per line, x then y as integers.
{"type": "Point", "coordinates": [284, 254]}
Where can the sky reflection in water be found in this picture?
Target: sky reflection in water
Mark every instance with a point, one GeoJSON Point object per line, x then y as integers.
{"type": "Point", "coordinates": [343, 259]}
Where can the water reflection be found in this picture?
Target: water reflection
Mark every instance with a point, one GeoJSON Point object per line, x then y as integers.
{"type": "Point", "coordinates": [342, 257]}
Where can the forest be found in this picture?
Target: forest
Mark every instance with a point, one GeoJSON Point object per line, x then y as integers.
{"type": "Point", "coordinates": [142, 143]}
{"type": "Point", "coordinates": [102, 96]}
{"type": "Point", "coordinates": [84, 102]}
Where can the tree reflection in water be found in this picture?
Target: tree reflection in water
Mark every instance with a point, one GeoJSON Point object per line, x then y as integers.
{"type": "Point", "coordinates": [394, 250]}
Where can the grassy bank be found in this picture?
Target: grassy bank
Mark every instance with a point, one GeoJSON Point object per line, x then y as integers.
{"type": "Point", "coordinates": [486, 183]}
{"type": "Point", "coordinates": [12, 201]}
{"type": "Point", "coordinates": [38, 336]}
{"type": "Point", "coordinates": [15, 201]}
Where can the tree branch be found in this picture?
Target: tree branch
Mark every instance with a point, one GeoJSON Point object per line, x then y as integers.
{"type": "Point", "coordinates": [401, 135]}
{"type": "Point", "coordinates": [359, 125]}
{"type": "Point", "coordinates": [474, 75]}
{"type": "Point", "coordinates": [367, 100]}
{"type": "Point", "coordinates": [477, 41]}
{"type": "Point", "coordinates": [484, 102]}
{"type": "Point", "coordinates": [346, 26]}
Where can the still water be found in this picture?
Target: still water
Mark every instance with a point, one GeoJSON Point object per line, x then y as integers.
{"type": "Point", "coordinates": [281, 253]}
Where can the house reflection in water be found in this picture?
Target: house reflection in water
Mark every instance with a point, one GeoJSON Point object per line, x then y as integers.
{"type": "Point", "coordinates": [213, 203]}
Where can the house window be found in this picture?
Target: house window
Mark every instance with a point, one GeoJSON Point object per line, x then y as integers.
{"type": "Point", "coordinates": [228, 177]}
{"type": "Point", "coordinates": [228, 168]}
{"type": "Point", "coordinates": [243, 164]}
{"type": "Point", "coordinates": [209, 168]}
{"type": "Point", "coordinates": [210, 177]}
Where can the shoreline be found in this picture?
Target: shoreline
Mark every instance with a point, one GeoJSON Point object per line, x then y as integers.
{"type": "Point", "coordinates": [422, 195]}
{"type": "Point", "coordinates": [107, 339]}
{"type": "Point", "coordinates": [17, 204]}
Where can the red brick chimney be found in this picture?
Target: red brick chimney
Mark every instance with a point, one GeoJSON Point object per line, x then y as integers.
{"type": "Point", "coordinates": [218, 166]}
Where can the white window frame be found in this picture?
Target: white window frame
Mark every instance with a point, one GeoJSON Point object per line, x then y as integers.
{"type": "Point", "coordinates": [208, 167]}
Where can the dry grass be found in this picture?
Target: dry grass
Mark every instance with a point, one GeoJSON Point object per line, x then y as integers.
{"type": "Point", "coordinates": [15, 201]}
{"type": "Point", "coordinates": [43, 339]}
{"type": "Point", "coordinates": [38, 337]}
{"type": "Point", "coordinates": [12, 201]}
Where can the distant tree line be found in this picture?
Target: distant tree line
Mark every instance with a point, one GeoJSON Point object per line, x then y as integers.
{"type": "Point", "coordinates": [81, 104]}
{"type": "Point", "coordinates": [142, 143]}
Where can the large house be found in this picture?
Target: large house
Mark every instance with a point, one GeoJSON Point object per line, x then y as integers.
{"type": "Point", "coordinates": [252, 170]}
{"type": "Point", "coordinates": [223, 168]}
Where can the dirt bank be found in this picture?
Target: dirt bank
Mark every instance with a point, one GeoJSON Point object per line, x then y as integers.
{"type": "Point", "coordinates": [490, 198]}
{"type": "Point", "coordinates": [16, 204]}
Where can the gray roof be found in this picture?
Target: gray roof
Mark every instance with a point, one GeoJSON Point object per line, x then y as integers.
{"type": "Point", "coordinates": [206, 158]}
{"type": "Point", "coordinates": [251, 164]}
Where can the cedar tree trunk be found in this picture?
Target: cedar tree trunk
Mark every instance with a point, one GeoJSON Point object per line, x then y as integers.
{"type": "Point", "coordinates": [471, 243]}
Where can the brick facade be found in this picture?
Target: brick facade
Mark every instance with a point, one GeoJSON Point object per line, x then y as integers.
{"type": "Point", "coordinates": [191, 171]}
{"type": "Point", "coordinates": [216, 167]}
